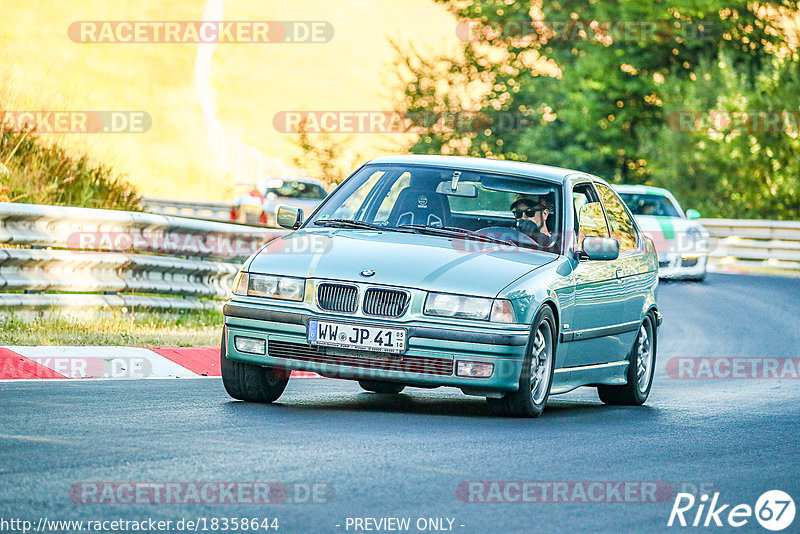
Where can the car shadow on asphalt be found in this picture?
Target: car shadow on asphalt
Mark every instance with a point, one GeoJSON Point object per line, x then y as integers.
{"type": "Point", "coordinates": [424, 405]}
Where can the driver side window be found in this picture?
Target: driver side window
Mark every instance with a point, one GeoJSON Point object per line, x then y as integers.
{"type": "Point", "coordinates": [593, 222]}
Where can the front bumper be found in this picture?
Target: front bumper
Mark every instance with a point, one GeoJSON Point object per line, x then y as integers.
{"type": "Point", "coordinates": [676, 266]}
{"type": "Point", "coordinates": [429, 360]}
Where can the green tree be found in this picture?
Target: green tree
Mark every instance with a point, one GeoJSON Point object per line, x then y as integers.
{"type": "Point", "coordinates": [323, 156]}
{"type": "Point", "coordinates": [607, 110]}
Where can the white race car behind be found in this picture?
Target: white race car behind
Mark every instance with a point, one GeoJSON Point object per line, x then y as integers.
{"type": "Point", "coordinates": [681, 241]}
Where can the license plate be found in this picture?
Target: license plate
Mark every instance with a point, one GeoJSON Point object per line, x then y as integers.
{"type": "Point", "coordinates": [356, 336]}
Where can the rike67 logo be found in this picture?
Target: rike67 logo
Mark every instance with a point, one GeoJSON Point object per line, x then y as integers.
{"type": "Point", "coordinates": [774, 510]}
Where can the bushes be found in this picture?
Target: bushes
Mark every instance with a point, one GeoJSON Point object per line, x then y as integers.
{"type": "Point", "coordinates": [35, 172]}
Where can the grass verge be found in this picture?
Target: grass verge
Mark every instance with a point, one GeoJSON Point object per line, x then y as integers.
{"type": "Point", "coordinates": [197, 328]}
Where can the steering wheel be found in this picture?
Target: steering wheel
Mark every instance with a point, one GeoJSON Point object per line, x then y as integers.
{"type": "Point", "coordinates": [508, 234]}
{"type": "Point", "coordinates": [518, 238]}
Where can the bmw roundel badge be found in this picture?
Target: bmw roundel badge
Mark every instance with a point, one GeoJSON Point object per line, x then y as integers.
{"type": "Point", "coordinates": [366, 273]}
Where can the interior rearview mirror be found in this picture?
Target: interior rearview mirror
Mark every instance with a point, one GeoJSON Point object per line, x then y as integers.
{"type": "Point", "coordinates": [289, 217]}
{"type": "Point", "coordinates": [462, 189]}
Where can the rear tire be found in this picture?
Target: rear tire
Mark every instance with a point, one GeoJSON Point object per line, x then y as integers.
{"type": "Point", "coordinates": [251, 383]}
{"type": "Point", "coordinates": [641, 370]}
{"type": "Point", "coordinates": [537, 372]}
{"type": "Point", "coordinates": [378, 386]}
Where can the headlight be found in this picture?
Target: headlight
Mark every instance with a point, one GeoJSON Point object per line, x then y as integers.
{"type": "Point", "coordinates": [476, 308]}
{"type": "Point", "coordinates": [696, 241]}
{"type": "Point", "coordinates": [265, 285]}
{"type": "Point", "coordinates": [693, 235]}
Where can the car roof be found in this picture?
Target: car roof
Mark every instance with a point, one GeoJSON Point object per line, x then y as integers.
{"type": "Point", "coordinates": [642, 190]}
{"type": "Point", "coordinates": [544, 172]}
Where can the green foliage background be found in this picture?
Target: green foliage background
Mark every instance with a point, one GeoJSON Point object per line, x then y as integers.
{"type": "Point", "coordinates": [610, 111]}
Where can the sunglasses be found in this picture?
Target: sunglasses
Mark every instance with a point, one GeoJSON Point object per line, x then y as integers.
{"type": "Point", "coordinates": [529, 212]}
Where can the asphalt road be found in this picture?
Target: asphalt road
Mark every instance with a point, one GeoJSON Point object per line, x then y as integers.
{"type": "Point", "coordinates": [405, 456]}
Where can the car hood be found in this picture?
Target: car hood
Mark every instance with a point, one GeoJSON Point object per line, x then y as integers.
{"type": "Point", "coordinates": [669, 233]}
{"type": "Point", "coordinates": [409, 260]}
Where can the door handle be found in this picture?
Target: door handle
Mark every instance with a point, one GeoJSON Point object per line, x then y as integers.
{"type": "Point", "coordinates": [619, 275]}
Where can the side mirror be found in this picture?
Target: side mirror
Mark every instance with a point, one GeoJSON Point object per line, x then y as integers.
{"type": "Point", "coordinates": [692, 214]}
{"type": "Point", "coordinates": [600, 248]}
{"type": "Point", "coordinates": [289, 217]}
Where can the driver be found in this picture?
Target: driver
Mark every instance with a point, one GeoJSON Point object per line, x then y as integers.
{"type": "Point", "coordinates": [531, 214]}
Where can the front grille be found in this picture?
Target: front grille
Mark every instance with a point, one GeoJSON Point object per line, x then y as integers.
{"type": "Point", "coordinates": [405, 364]}
{"type": "Point", "coordinates": [337, 297]}
{"type": "Point", "coordinates": [385, 302]}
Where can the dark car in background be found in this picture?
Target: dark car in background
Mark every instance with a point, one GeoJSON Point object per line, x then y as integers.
{"type": "Point", "coordinates": [260, 205]}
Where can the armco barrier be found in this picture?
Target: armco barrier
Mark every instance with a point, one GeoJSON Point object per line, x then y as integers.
{"type": "Point", "coordinates": [62, 257]}
{"type": "Point", "coordinates": [211, 211]}
{"type": "Point", "coordinates": [744, 243]}
{"type": "Point", "coordinates": [54, 256]}
{"type": "Point", "coordinates": [125, 231]}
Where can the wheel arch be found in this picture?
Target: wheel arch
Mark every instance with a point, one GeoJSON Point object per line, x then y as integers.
{"type": "Point", "coordinates": [549, 303]}
{"type": "Point", "coordinates": [556, 316]}
{"type": "Point", "coordinates": [654, 314]}
{"type": "Point", "coordinates": [655, 319]}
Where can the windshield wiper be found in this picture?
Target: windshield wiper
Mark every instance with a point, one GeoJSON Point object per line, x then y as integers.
{"type": "Point", "coordinates": [449, 231]}
{"type": "Point", "coordinates": [359, 225]}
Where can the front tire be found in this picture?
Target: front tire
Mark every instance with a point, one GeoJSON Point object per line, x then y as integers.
{"type": "Point", "coordinates": [641, 369]}
{"type": "Point", "coordinates": [251, 383]}
{"type": "Point", "coordinates": [537, 373]}
{"type": "Point", "coordinates": [378, 386]}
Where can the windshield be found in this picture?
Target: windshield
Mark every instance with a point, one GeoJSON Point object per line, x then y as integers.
{"type": "Point", "coordinates": [448, 203]}
{"type": "Point", "coordinates": [646, 204]}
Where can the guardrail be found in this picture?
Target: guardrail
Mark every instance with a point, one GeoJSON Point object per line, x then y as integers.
{"type": "Point", "coordinates": [745, 243]}
{"type": "Point", "coordinates": [64, 257]}
{"type": "Point", "coordinates": [211, 211]}
{"type": "Point", "coordinates": [84, 258]}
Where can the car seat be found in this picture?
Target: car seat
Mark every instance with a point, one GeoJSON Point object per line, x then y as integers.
{"type": "Point", "coordinates": [419, 203]}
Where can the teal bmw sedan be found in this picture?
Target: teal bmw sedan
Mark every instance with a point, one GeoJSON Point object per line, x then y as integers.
{"type": "Point", "coordinates": [507, 280]}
